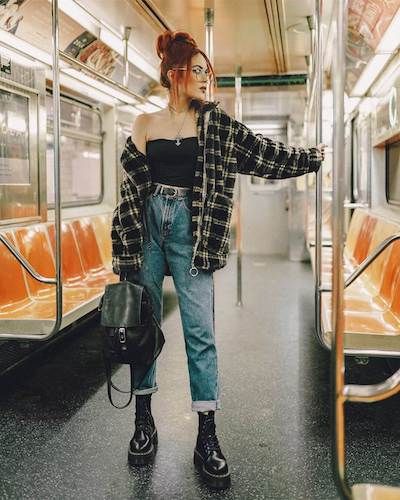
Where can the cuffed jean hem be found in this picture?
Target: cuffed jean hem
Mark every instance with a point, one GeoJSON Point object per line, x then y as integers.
{"type": "Point", "coordinates": [206, 405]}
{"type": "Point", "coordinates": [143, 392]}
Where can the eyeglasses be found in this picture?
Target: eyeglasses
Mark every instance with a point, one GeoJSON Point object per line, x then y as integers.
{"type": "Point", "coordinates": [198, 73]}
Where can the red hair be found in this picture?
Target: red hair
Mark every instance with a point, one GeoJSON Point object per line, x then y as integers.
{"type": "Point", "coordinates": [176, 49]}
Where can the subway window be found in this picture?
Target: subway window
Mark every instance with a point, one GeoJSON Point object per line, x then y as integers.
{"type": "Point", "coordinates": [393, 173]}
{"type": "Point", "coordinates": [361, 165]}
{"type": "Point", "coordinates": [81, 163]}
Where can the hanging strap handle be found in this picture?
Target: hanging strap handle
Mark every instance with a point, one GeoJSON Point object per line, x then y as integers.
{"type": "Point", "coordinates": [110, 385]}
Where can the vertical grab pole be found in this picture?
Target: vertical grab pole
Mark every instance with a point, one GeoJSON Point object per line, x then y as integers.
{"type": "Point", "coordinates": [56, 141]}
{"type": "Point", "coordinates": [127, 32]}
{"type": "Point", "coordinates": [318, 75]}
{"type": "Point", "coordinates": [337, 351]}
{"type": "Point", "coordinates": [209, 26]}
{"type": "Point", "coordinates": [238, 116]}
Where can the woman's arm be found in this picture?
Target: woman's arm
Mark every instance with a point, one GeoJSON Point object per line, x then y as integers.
{"type": "Point", "coordinates": [263, 157]}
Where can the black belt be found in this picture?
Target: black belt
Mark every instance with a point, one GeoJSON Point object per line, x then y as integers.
{"type": "Point", "coordinates": [158, 188]}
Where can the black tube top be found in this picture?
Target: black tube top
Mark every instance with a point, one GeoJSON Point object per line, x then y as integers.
{"type": "Point", "coordinates": [172, 164]}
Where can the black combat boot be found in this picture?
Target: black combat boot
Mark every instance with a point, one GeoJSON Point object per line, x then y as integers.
{"type": "Point", "coordinates": [208, 457]}
{"type": "Point", "coordinates": [143, 445]}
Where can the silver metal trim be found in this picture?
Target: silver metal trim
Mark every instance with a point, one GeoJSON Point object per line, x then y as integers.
{"type": "Point", "coordinates": [373, 392]}
{"type": "Point", "coordinates": [352, 205]}
{"type": "Point", "coordinates": [57, 158]}
{"type": "Point", "coordinates": [238, 116]}
{"type": "Point", "coordinates": [127, 32]}
{"type": "Point", "coordinates": [318, 75]}
{"type": "Point", "coordinates": [25, 264]}
{"type": "Point", "coordinates": [337, 351]}
{"type": "Point", "coordinates": [19, 86]}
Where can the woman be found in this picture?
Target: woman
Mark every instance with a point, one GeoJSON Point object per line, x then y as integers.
{"type": "Point", "coordinates": [181, 164]}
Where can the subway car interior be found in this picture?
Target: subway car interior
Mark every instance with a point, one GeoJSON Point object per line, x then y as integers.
{"type": "Point", "coordinates": [307, 310]}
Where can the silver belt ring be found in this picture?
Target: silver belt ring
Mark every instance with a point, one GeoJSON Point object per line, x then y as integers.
{"type": "Point", "coordinates": [193, 271]}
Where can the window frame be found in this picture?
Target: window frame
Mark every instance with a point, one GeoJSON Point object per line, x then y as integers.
{"type": "Point", "coordinates": [85, 137]}
{"type": "Point", "coordinates": [360, 125]}
{"type": "Point", "coordinates": [388, 200]}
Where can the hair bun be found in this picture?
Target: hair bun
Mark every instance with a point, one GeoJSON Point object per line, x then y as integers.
{"type": "Point", "coordinates": [166, 39]}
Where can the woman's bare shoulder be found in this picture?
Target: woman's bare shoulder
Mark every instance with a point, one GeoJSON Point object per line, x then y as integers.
{"type": "Point", "coordinates": [139, 132]}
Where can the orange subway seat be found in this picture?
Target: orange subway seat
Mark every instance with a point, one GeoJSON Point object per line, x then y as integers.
{"type": "Point", "coordinates": [378, 301]}
{"type": "Point", "coordinates": [72, 269]}
{"type": "Point", "coordinates": [364, 239]}
{"type": "Point", "coordinates": [89, 249]}
{"type": "Point", "coordinates": [13, 292]}
{"type": "Point", "coordinates": [356, 222]}
{"type": "Point", "coordinates": [379, 322]}
{"type": "Point", "coordinates": [395, 304]}
{"type": "Point", "coordinates": [390, 275]}
{"type": "Point", "coordinates": [102, 228]}
{"type": "Point", "coordinates": [14, 299]}
{"type": "Point", "coordinates": [37, 309]}
{"type": "Point", "coordinates": [34, 245]}
{"type": "Point", "coordinates": [375, 271]}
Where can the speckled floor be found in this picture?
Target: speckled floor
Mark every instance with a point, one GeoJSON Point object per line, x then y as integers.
{"type": "Point", "coordinates": [61, 439]}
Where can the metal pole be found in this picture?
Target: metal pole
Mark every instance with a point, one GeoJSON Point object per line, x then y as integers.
{"type": "Point", "coordinates": [318, 75]}
{"type": "Point", "coordinates": [209, 26]}
{"type": "Point", "coordinates": [127, 32]}
{"type": "Point", "coordinates": [56, 142]}
{"type": "Point", "coordinates": [337, 352]}
{"type": "Point", "coordinates": [238, 116]}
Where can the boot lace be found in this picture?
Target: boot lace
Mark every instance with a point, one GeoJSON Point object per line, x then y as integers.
{"type": "Point", "coordinates": [211, 443]}
{"type": "Point", "coordinates": [210, 440]}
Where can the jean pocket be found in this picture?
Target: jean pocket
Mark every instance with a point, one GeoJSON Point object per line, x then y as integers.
{"type": "Point", "coordinates": [187, 203]}
{"type": "Point", "coordinates": [216, 223]}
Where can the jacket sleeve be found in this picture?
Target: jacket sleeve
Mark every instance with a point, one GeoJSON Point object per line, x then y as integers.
{"type": "Point", "coordinates": [263, 157]}
{"type": "Point", "coordinates": [134, 164]}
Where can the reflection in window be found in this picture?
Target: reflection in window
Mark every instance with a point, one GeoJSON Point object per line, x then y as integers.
{"type": "Point", "coordinates": [80, 170]}
{"type": "Point", "coordinates": [14, 138]}
{"type": "Point", "coordinates": [80, 157]}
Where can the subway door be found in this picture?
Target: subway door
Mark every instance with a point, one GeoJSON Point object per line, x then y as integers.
{"type": "Point", "coordinates": [263, 206]}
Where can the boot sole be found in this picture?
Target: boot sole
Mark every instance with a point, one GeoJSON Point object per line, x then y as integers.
{"type": "Point", "coordinates": [212, 480]}
{"type": "Point", "coordinates": [144, 458]}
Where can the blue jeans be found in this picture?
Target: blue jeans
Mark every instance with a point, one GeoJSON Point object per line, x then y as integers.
{"type": "Point", "coordinates": [169, 242]}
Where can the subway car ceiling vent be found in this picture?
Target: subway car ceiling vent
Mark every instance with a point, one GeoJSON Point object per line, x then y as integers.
{"type": "Point", "coordinates": [263, 80]}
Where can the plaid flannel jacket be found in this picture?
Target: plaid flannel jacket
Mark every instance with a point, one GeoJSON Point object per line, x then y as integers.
{"type": "Point", "coordinates": [230, 148]}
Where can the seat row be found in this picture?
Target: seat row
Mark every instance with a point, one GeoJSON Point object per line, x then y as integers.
{"type": "Point", "coordinates": [27, 305]}
{"type": "Point", "coordinates": [372, 302]}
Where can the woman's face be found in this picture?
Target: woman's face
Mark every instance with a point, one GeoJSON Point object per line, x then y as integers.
{"type": "Point", "coordinates": [198, 80]}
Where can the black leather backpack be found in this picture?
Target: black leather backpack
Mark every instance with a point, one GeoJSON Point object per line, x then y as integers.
{"type": "Point", "coordinates": [132, 334]}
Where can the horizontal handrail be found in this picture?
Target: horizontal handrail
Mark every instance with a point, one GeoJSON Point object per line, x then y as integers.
{"type": "Point", "coordinates": [348, 204]}
{"type": "Point", "coordinates": [366, 262]}
{"type": "Point", "coordinates": [25, 264]}
{"type": "Point", "coordinates": [370, 393]}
